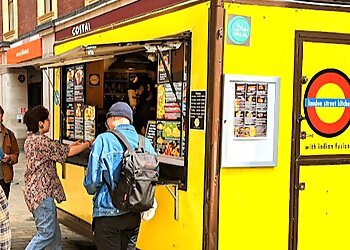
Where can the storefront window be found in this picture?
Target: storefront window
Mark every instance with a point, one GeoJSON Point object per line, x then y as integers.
{"type": "Point", "coordinates": [156, 90]}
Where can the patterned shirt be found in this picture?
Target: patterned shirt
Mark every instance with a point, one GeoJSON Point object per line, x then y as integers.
{"type": "Point", "coordinates": [40, 177]}
{"type": "Point", "coordinates": [5, 229]}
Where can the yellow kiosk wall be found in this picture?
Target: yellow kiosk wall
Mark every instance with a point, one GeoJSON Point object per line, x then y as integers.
{"type": "Point", "coordinates": [163, 232]}
{"type": "Point", "coordinates": [254, 202]}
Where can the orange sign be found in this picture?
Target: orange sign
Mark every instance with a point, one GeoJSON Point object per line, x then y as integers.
{"type": "Point", "coordinates": [24, 52]}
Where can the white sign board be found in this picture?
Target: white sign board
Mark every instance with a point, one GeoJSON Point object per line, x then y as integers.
{"type": "Point", "coordinates": [250, 121]}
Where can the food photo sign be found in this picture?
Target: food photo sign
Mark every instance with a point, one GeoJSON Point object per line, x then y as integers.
{"type": "Point", "coordinates": [250, 121]}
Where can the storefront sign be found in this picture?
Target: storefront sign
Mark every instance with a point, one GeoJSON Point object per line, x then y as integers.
{"type": "Point", "coordinates": [24, 52]}
{"type": "Point", "coordinates": [127, 10]}
{"type": "Point", "coordinates": [197, 110]}
{"type": "Point", "coordinates": [81, 29]}
{"type": "Point", "coordinates": [314, 106]}
{"type": "Point", "coordinates": [238, 30]}
{"type": "Point", "coordinates": [250, 121]}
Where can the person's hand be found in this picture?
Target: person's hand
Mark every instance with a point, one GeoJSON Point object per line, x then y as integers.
{"type": "Point", "coordinates": [6, 158]}
{"type": "Point", "coordinates": [90, 142]}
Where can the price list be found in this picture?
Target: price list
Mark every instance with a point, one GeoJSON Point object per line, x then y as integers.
{"type": "Point", "coordinates": [197, 110]}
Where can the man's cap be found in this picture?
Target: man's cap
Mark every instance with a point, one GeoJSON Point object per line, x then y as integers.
{"type": "Point", "coordinates": [121, 109]}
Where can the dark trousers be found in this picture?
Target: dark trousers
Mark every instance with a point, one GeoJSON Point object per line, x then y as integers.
{"type": "Point", "coordinates": [6, 187]}
{"type": "Point", "coordinates": [117, 232]}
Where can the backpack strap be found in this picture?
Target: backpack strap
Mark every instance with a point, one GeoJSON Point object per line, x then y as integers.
{"type": "Point", "coordinates": [142, 143]}
{"type": "Point", "coordinates": [122, 138]}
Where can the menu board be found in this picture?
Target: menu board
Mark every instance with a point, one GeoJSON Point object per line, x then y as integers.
{"type": "Point", "coordinates": [197, 110]}
{"type": "Point", "coordinates": [78, 121]}
{"type": "Point", "coordinates": [89, 123]}
{"type": "Point", "coordinates": [168, 107]}
{"type": "Point", "coordinates": [250, 109]}
{"type": "Point", "coordinates": [168, 138]}
{"type": "Point", "coordinates": [162, 76]}
{"type": "Point", "coordinates": [250, 121]}
{"type": "Point", "coordinates": [70, 121]}
{"type": "Point", "coordinates": [79, 83]}
{"type": "Point", "coordinates": [151, 131]}
{"type": "Point", "coordinates": [70, 84]}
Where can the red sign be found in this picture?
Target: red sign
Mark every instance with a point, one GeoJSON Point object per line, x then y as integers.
{"type": "Point", "coordinates": [24, 52]}
{"type": "Point", "coordinates": [312, 102]}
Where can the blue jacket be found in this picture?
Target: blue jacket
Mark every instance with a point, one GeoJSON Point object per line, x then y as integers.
{"type": "Point", "coordinates": [106, 154]}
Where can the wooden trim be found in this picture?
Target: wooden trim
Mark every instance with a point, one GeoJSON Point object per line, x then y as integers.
{"type": "Point", "coordinates": [324, 160]}
{"type": "Point", "coordinates": [213, 127]}
{"type": "Point", "coordinates": [46, 17]}
{"type": "Point", "coordinates": [329, 6]}
{"type": "Point", "coordinates": [9, 35]}
{"type": "Point", "coordinates": [75, 224]}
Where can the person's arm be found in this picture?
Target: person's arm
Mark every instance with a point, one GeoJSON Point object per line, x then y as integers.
{"type": "Point", "coordinates": [93, 178]}
{"type": "Point", "coordinates": [77, 148]}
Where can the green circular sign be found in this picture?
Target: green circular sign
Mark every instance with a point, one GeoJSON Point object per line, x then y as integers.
{"type": "Point", "coordinates": [238, 30]}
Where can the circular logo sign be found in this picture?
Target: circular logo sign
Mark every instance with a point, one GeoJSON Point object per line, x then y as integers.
{"type": "Point", "coordinates": [94, 79]}
{"type": "Point", "coordinates": [57, 97]}
{"type": "Point", "coordinates": [314, 104]}
{"type": "Point", "coordinates": [238, 30]}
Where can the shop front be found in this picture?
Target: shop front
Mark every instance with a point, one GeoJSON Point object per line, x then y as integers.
{"type": "Point", "coordinates": [161, 73]}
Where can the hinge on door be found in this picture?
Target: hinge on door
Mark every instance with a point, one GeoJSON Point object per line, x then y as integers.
{"type": "Point", "coordinates": [301, 186]}
{"type": "Point", "coordinates": [300, 118]}
{"type": "Point", "coordinates": [304, 79]}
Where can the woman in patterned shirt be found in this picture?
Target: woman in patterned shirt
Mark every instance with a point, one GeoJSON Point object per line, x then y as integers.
{"type": "Point", "coordinates": [42, 184]}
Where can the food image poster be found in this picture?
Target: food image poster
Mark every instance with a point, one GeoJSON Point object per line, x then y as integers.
{"type": "Point", "coordinates": [161, 101]}
{"type": "Point", "coordinates": [162, 75]}
{"type": "Point", "coordinates": [250, 109]}
{"type": "Point", "coordinates": [78, 121]}
{"type": "Point", "coordinates": [70, 84]}
{"type": "Point", "coordinates": [168, 138]}
{"type": "Point", "coordinates": [89, 123]}
{"type": "Point", "coordinates": [79, 84]}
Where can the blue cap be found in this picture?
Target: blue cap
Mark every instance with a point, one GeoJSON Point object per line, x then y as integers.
{"type": "Point", "coordinates": [121, 109]}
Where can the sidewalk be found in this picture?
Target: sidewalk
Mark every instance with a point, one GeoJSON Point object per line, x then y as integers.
{"type": "Point", "coordinates": [22, 222]}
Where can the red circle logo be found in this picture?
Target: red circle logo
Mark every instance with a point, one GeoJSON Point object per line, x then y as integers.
{"type": "Point", "coordinates": [311, 102]}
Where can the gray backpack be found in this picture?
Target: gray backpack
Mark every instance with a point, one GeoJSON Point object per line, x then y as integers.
{"type": "Point", "coordinates": [138, 177]}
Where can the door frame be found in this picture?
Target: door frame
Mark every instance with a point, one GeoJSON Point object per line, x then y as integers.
{"type": "Point", "coordinates": [296, 159]}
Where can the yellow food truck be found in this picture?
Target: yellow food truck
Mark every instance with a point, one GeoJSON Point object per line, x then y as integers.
{"type": "Point", "coordinates": [251, 120]}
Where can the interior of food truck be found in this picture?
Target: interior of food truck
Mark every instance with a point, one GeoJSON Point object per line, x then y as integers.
{"type": "Point", "coordinates": [153, 80]}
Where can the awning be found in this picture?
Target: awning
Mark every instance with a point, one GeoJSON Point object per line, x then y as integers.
{"type": "Point", "coordinates": [89, 53]}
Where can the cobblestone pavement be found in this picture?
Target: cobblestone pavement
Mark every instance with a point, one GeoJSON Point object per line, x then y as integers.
{"type": "Point", "coordinates": [22, 222]}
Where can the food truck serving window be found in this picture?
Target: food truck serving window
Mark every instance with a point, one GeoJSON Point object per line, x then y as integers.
{"type": "Point", "coordinates": [153, 82]}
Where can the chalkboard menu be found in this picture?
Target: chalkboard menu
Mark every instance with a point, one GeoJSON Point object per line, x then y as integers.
{"type": "Point", "coordinates": [151, 131]}
{"type": "Point", "coordinates": [197, 110]}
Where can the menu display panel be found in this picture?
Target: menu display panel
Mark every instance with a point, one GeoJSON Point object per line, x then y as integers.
{"type": "Point", "coordinates": [250, 121]}
{"type": "Point", "coordinates": [79, 118]}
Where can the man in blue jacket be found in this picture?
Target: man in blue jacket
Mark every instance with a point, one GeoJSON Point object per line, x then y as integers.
{"type": "Point", "coordinates": [112, 227]}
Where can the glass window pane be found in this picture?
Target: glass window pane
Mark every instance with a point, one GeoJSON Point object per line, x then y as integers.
{"type": "Point", "coordinates": [11, 15]}
{"type": "Point", "coordinates": [48, 6]}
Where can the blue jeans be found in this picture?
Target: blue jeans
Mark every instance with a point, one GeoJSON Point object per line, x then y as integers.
{"type": "Point", "coordinates": [49, 233]}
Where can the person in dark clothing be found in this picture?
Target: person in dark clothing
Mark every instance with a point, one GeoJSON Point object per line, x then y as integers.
{"type": "Point", "coordinates": [146, 107]}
